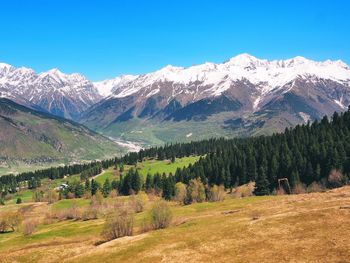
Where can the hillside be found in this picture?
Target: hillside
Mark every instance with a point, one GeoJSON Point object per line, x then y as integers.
{"type": "Point", "coordinates": [29, 137]}
{"type": "Point", "coordinates": [296, 228]}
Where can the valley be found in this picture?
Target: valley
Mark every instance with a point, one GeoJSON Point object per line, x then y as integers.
{"type": "Point", "coordinates": [174, 131]}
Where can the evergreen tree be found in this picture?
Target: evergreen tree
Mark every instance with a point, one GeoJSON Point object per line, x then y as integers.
{"type": "Point", "coordinates": [261, 184]}
{"type": "Point", "coordinates": [106, 189]}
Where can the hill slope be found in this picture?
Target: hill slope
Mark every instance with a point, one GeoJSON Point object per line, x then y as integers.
{"type": "Point", "coordinates": [31, 137]}
{"type": "Point", "coordinates": [296, 228]}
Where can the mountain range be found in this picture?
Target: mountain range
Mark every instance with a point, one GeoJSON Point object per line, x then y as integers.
{"type": "Point", "coordinates": [242, 96]}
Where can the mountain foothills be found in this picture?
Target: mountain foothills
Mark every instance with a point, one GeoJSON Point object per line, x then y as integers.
{"type": "Point", "coordinates": [32, 137]}
{"type": "Point", "coordinates": [240, 97]}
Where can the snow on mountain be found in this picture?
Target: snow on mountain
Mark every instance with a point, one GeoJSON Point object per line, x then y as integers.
{"type": "Point", "coordinates": [107, 87]}
{"type": "Point", "coordinates": [247, 79]}
{"type": "Point", "coordinates": [217, 78]}
{"type": "Point", "coordinates": [65, 95]}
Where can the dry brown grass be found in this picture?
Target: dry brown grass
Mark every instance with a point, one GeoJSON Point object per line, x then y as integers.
{"type": "Point", "coordinates": [290, 228]}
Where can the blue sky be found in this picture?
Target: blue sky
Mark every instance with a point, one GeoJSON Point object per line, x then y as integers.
{"type": "Point", "coordinates": [102, 39]}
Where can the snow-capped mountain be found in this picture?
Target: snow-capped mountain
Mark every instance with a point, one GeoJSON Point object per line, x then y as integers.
{"type": "Point", "coordinates": [109, 86]}
{"type": "Point", "coordinates": [211, 79]}
{"type": "Point", "coordinates": [245, 89]}
{"type": "Point", "coordinates": [244, 93]}
{"type": "Point", "coordinates": [53, 91]}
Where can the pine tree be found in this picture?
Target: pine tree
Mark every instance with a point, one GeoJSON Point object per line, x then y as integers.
{"type": "Point", "coordinates": [94, 187]}
{"type": "Point", "coordinates": [136, 183]}
{"type": "Point", "coordinates": [106, 189]}
{"type": "Point", "coordinates": [148, 183]}
{"type": "Point", "coordinates": [261, 184]}
{"type": "Point", "coordinates": [87, 185]}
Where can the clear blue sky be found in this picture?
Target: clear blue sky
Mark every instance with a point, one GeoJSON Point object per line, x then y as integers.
{"type": "Point", "coordinates": [102, 39]}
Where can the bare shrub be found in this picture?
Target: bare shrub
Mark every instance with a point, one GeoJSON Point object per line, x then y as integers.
{"type": "Point", "coordinates": [87, 195]}
{"type": "Point", "coordinates": [336, 179]}
{"type": "Point", "coordinates": [299, 189]}
{"type": "Point", "coordinates": [70, 195]}
{"type": "Point", "coordinates": [180, 193]}
{"type": "Point", "coordinates": [98, 197]}
{"type": "Point", "coordinates": [118, 224]}
{"type": "Point", "coordinates": [29, 226]}
{"type": "Point", "coordinates": [49, 218]}
{"type": "Point", "coordinates": [91, 212]}
{"type": "Point", "coordinates": [161, 215]}
{"type": "Point", "coordinates": [152, 195]}
{"type": "Point", "coordinates": [113, 193]}
{"type": "Point", "coordinates": [244, 190]}
{"type": "Point", "coordinates": [51, 196]}
{"type": "Point", "coordinates": [38, 196]}
{"type": "Point", "coordinates": [195, 191]}
{"type": "Point", "coordinates": [146, 225]}
{"type": "Point", "coordinates": [9, 221]}
{"type": "Point", "coordinates": [280, 191]}
{"type": "Point", "coordinates": [136, 203]}
{"type": "Point", "coordinates": [74, 212]}
{"type": "Point", "coordinates": [314, 188]}
{"type": "Point", "coordinates": [216, 193]}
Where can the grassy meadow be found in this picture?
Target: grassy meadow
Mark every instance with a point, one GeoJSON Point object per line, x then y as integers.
{"type": "Point", "coordinates": [296, 228]}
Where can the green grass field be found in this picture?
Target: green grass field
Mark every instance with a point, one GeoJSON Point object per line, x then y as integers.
{"type": "Point", "coordinates": [154, 166]}
{"type": "Point", "coordinates": [110, 173]}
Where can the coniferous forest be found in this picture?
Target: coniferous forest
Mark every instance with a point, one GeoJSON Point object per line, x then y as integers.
{"type": "Point", "coordinates": [304, 154]}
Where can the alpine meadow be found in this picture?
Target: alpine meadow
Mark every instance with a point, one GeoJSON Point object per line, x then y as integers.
{"type": "Point", "coordinates": [195, 131]}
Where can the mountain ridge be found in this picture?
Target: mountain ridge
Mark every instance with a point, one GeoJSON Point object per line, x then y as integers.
{"type": "Point", "coordinates": [257, 96]}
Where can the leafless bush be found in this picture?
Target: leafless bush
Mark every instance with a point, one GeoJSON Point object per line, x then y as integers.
{"type": "Point", "coordinates": [146, 225]}
{"type": "Point", "coordinates": [195, 191]}
{"type": "Point", "coordinates": [216, 193]}
{"type": "Point", "coordinates": [70, 195]}
{"type": "Point", "coordinates": [244, 190]}
{"type": "Point", "coordinates": [38, 196]}
{"type": "Point", "coordinates": [136, 203]}
{"type": "Point", "coordinates": [280, 191]}
{"type": "Point", "coordinates": [161, 215]}
{"type": "Point", "coordinates": [113, 194]}
{"type": "Point", "coordinates": [29, 226]}
{"type": "Point", "coordinates": [152, 195]}
{"type": "Point", "coordinates": [9, 221]}
{"type": "Point", "coordinates": [118, 224]}
{"type": "Point", "coordinates": [98, 197]}
{"type": "Point", "coordinates": [299, 189]}
{"type": "Point", "coordinates": [336, 179]}
{"type": "Point", "coordinates": [91, 212]}
{"type": "Point", "coordinates": [314, 188]}
{"type": "Point", "coordinates": [180, 193]}
{"type": "Point", "coordinates": [49, 218]}
{"type": "Point", "coordinates": [51, 196]}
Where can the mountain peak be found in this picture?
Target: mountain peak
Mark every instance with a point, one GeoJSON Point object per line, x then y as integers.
{"type": "Point", "coordinates": [244, 59]}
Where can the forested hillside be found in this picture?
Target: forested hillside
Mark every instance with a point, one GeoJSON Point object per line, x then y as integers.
{"type": "Point", "coordinates": [312, 153]}
{"type": "Point", "coordinates": [305, 154]}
